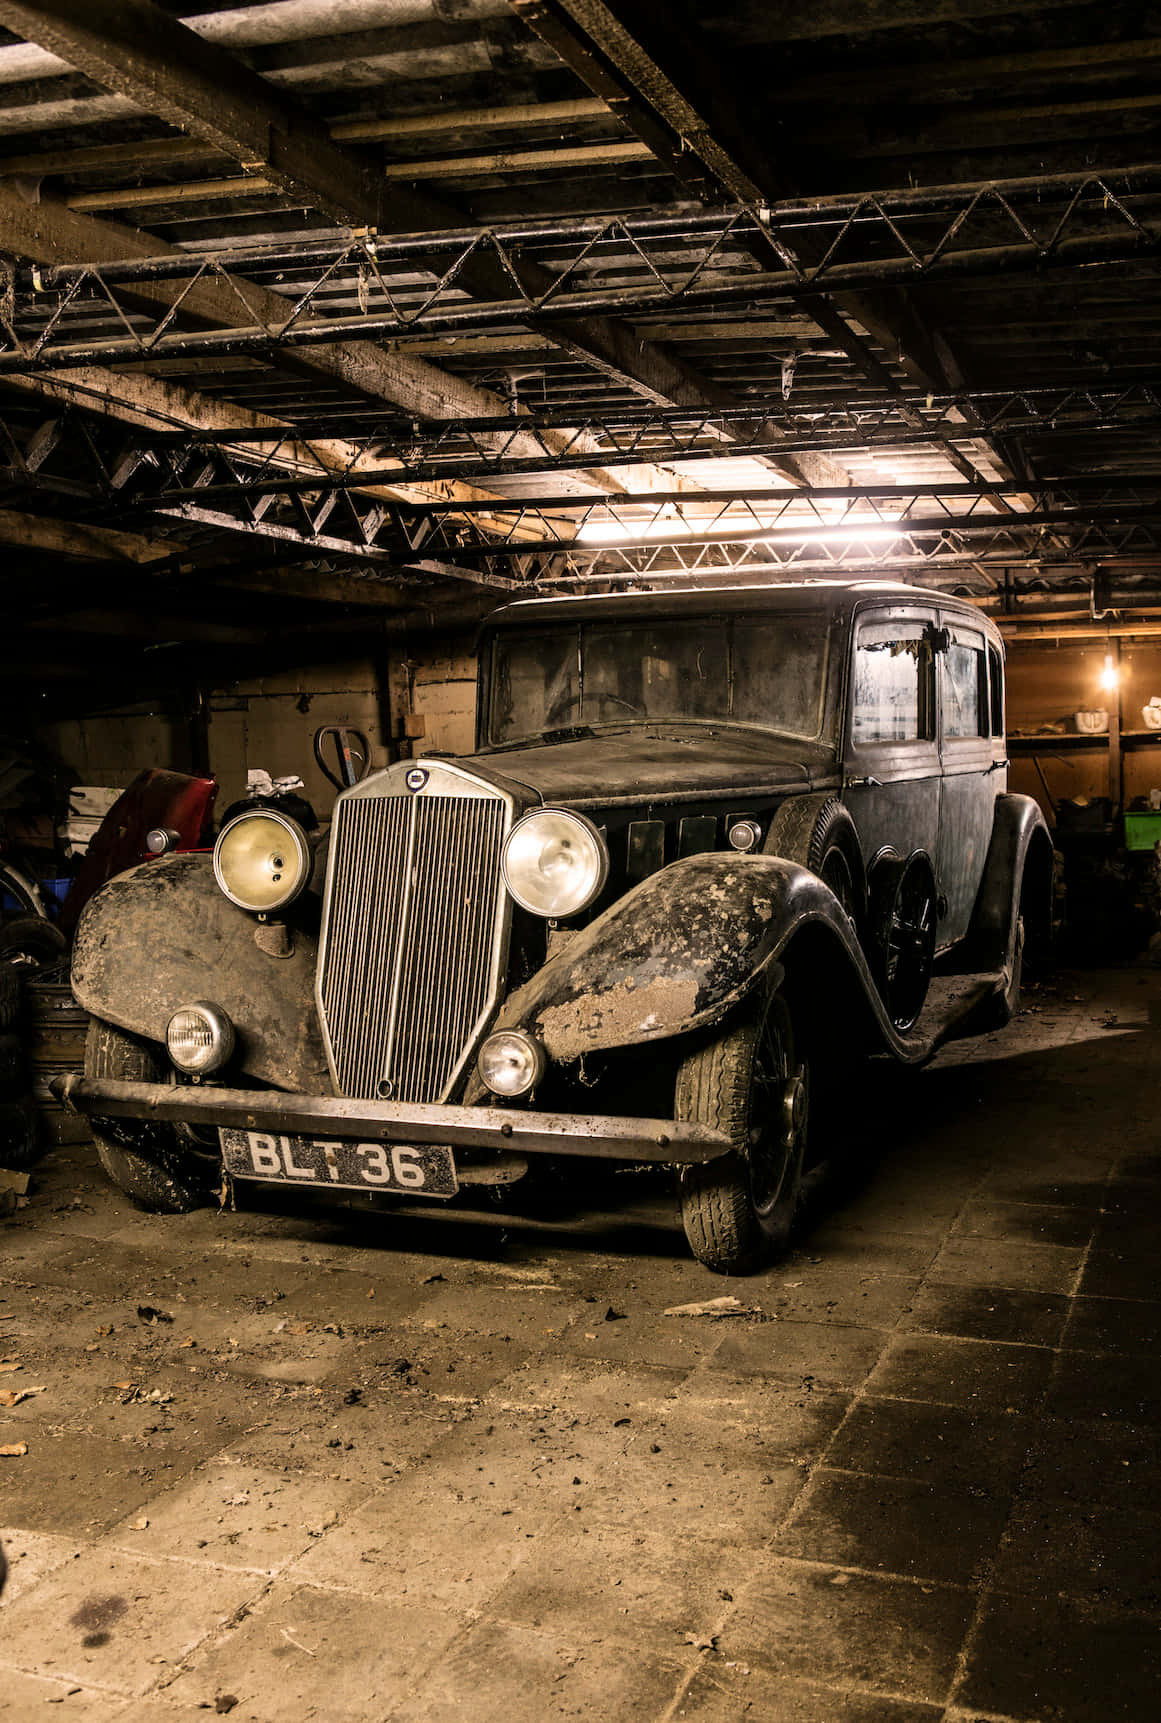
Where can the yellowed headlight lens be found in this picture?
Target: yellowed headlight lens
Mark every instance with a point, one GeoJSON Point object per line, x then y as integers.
{"type": "Point", "coordinates": [262, 861]}
{"type": "Point", "coordinates": [555, 862]}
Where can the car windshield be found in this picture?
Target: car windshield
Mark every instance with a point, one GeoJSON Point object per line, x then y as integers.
{"type": "Point", "coordinates": [758, 670]}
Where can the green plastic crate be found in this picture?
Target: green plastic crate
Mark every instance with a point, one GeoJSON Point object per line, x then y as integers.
{"type": "Point", "coordinates": [1142, 831]}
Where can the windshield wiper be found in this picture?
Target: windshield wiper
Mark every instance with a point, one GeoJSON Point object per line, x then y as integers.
{"type": "Point", "coordinates": [567, 733]}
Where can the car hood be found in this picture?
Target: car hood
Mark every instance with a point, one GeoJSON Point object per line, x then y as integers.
{"type": "Point", "coordinates": [661, 763]}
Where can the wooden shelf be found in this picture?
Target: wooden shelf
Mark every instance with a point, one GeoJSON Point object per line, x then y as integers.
{"type": "Point", "coordinates": [1078, 742]}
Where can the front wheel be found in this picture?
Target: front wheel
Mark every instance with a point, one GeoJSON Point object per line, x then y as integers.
{"type": "Point", "coordinates": [750, 1083]}
{"type": "Point", "coordinates": [145, 1160]}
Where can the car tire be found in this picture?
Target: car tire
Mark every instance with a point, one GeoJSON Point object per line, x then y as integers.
{"type": "Point", "coordinates": [818, 833]}
{"type": "Point", "coordinates": [903, 918]}
{"type": "Point", "coordinates": [738, 1210]}
{"type": "Point", "coordinates": [10, 996]}
{"type": "Point", "coordinates": [999, 1009]}
{"type": "Point", "coordinates": [30, 940]}
{"type": "Point", "coordinates": [145, 1160]}
{"type": "Point", "coordinates": [22, 1137]}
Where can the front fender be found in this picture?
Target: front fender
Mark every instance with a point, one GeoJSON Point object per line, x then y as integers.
{"type": "Point", "coordinates": [163, 935]}
{"type": "Point", "coordinates": [676, 953]}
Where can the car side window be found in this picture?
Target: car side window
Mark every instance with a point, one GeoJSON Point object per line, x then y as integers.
{"type": "Point", "coordinates": [964, 685]}
{"type": "Point", "coordinates": [996, 669]}
{"type": "Point", "coordinates": [892, 682]}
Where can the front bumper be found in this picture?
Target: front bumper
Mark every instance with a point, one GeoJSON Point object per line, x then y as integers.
{"type": "Point", "coordinates": [670, 1141]}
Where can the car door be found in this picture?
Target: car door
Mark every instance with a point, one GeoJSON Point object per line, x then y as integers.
{"type": "Point", "coordinates": [891, 756]}
{"type": "Point", "coordinates": [969, 777]}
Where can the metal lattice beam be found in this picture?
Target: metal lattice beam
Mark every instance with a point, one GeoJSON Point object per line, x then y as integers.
{"type": "Point", "coordinates": [697, 261]}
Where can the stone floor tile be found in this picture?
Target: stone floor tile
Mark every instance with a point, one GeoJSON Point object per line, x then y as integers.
{"type": "Point", "coordinates": [120, 1623]}
{"type": "Point", "coordinates": [453, 1530]}
{"type": "Point", "coordinates": [1007, 1262]}
{"type": "Point", "coordinates": [1033, 1222]}
{"type": "Point", "coordinates": [1097, 1461]}
{"type": "Point", "coordinates": [548, 1382]}
{"type": "Point", "coordinates": [789, 1425]}
{"type": "Point", "coordinates": [858, 1252]}
{"type": "Point", "coordinates": [623, 1583]}
{"type": "Point", "coordinates": [977, 1374]}
{"type": "Point", "coordinates": [1110, 1555]}
{"type": "Point", "coordinates": [988, 1313]}
{"type": "Point", "coordinates": [1114, 1325]}
{"type": "Point", "coordinates": [938, 1445]}
{"type": "Point", "coordinates": [1050, 1657]}
{"type": "Point", "coordinates": [834, 1355]}
{"type": "Point", "coordinates": [31, 1556]}
{"type": "Point", "coordinates": [79, 1485]}
{"type": "Point", "coordinates": [499, 1671]}
{"type": "Point", "coordinates": [302, 1652]}
{"type": "Point", "coordinates": [823, 1294]}
{"type": "Point", "coordinates": [720, 1693]}
{"type": "Point", "coordinates": [1125, 1387]}
{"type": "Point", "coordinates": [1120, 1274]}
{"type": "Point", "coordinates": [30, 1699]}
{"type": "Point", "coordinates": [800, 1621]}
{"type": "Point", "coordinates": [237, 1516]}
{"type": "Point", "coordinates": [1083, 1188]}
{"type": "Point", "coordinates": [921, 1530]}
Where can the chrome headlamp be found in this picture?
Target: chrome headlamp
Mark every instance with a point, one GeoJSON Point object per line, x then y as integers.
{"type": "Point", "coordinates": [262, 860]}
{"type": "Point", "coordinates": [555, 863]}
{"type": "Point", "coordinates": [511, 1062]}
{"type": "Point", "coordinates": [200, 1038]}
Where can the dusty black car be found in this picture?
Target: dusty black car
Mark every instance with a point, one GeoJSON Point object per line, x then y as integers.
{"type": "Point", "coordinates": [709, 843]}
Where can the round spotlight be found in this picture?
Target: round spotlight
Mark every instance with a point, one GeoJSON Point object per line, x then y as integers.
{"type": "Point", "coordinates": [200, 1038]}
{"type": "Point", "coordinates": [555, 862]}
{"type": "Point", "coordinates": [262, 860]}
{"type": "Point", "coordinates": [511, 1063]}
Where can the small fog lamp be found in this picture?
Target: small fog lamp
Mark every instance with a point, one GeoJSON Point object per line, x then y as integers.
{"type": "Point", "coordinates": [745, 834]}
{"type": "Point", "coordinates": [161, 840]}
{"type": "Point", "coordinates": [510, 1062]}
{"type": "Point", "coordinates": [262, 860]}
{"type": "Point", "coordinates": [200, 1038]}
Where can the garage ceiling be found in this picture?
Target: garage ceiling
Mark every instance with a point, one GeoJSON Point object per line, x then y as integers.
{"type": "Point", "coordinates": [319, 313]}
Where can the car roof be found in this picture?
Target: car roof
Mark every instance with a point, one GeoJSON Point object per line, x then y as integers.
{"type": "Point", "coordinates": [842, 596]}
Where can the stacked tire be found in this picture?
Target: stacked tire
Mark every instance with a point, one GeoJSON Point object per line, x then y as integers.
{"type": "Point", "coordinates": [21, 1135]}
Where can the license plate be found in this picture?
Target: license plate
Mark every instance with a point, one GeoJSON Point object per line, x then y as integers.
{"type": "Point", "coordinates": [427, 1170]}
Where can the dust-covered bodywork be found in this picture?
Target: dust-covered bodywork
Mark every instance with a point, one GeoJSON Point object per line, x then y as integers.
{"type": "Point", "coordinates": [682, 808]}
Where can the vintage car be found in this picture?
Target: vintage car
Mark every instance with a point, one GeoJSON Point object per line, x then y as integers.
{"type": "Point", "coordinates": [709, 843]}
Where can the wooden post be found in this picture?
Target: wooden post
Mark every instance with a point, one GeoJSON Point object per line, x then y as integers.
{"type": "Point", "coordinates": [1116, 758]}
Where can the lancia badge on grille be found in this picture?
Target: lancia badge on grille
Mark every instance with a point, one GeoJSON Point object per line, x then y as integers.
{"type": "Point", "coordinates": [416, 778]}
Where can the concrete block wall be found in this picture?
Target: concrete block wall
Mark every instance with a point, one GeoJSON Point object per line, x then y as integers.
{"type": "Point", "coordinates": [269, 721]}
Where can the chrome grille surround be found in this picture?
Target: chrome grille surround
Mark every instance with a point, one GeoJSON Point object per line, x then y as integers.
{"type": "Point", "coordinates": [415, 928]}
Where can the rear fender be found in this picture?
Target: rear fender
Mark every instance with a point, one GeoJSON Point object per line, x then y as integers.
{"type": "Point", "coordinates": [679, 951]}
{"type": "Point", "coordinates": [163, 935]}
{"type": "Point", "coordinates": [1016, 881]}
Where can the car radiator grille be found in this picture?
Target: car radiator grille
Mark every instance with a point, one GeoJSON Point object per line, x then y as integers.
{"type": "Point", "coordinates": [411, 940]}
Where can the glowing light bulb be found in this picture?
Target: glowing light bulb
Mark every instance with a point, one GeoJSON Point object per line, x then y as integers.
{"type": "Point", "coordinates": [1110, 676]}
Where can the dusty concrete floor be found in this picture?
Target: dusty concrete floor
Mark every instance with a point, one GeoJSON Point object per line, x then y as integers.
{"type": "Point", "coordinates": [463, 1466]}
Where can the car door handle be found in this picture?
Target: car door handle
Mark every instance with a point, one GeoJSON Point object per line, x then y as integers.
{"type": "Point", "coordinates": [998, 765]}
{"type": "Point", "coordinates": [864, 783]}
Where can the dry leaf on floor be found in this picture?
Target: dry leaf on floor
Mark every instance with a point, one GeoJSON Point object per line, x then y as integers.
{"type": "Point", "coordinates": [13, 1396]}
{"type": "Point", "coordinates": [712, 1307]}
{"type": "Point", "coordinates": [10, 1364]}
{"type": "Point", "coordinates": [140, 1525]}
{"type": "Point", "coordinates": [13, 1450]}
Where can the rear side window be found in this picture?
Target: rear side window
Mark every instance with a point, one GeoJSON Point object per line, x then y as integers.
{"type": "Point", "coordinates": [996, 665]}
{"type": "Point", "coordinates": [964, 686]}
{"type": "Point", "coordinates": [892, 682]}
